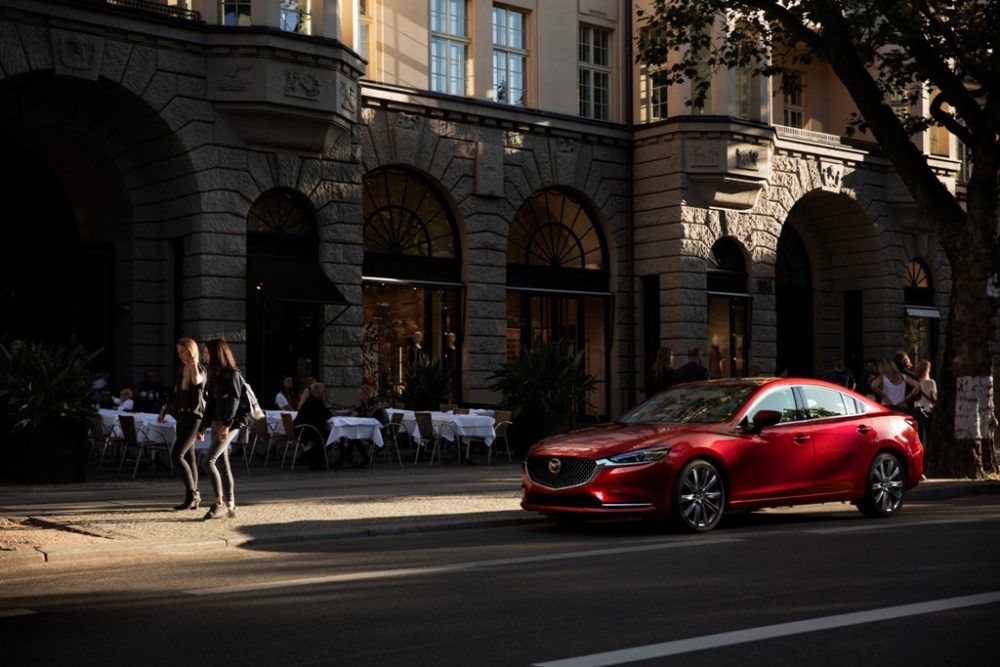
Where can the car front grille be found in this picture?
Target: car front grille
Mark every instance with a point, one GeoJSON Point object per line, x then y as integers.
{"type": "Point", "coordinates": [572, 471]}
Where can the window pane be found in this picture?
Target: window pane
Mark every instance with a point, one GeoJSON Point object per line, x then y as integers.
{"type": "Point", "coordinates": [823, 402]}
{"type": "Point", "coordinates": [779, 400]}
{"type": "Point", "coordinates": [499, 26]}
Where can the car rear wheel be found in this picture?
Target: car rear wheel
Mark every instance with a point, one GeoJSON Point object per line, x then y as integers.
{"type": "Point", "coordinates": [884, 487]}
{"type": "Point", "coordinates": [699, 497]}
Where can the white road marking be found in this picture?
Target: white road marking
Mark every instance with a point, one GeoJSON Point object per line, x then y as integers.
{"type": "Point", "coordinates": [664, 649]}
{"type": "Point", "coordinates": [873, 525]}
{"type": "Point", "coordinates": [10, 613]}
{"type": "Point", "coordinates": [453, 567]}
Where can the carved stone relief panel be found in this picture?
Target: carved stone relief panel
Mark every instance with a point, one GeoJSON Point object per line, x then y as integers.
{"type": "Point", "coordinates": [75, 54]}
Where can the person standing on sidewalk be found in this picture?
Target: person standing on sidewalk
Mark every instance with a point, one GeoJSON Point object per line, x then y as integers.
{"type": "Point", "coordinates": [224, 387]}
{"type": "Point", "coordinates": [187, 405]}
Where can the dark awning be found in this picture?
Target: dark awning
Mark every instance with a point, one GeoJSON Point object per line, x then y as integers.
{"type": "Point", "coordinates": [294, 281]}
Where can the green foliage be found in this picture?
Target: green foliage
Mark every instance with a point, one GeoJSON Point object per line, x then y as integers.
{"type": "Point", "coordinates": [44, 383]}
{"type": "Point", "coordinates": [548, 378]}
{"type": "Point", "coordinates": [428, 384]}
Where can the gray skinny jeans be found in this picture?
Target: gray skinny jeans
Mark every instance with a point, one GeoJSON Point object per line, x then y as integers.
{"type": "Point", "coordinates": [221, 484]}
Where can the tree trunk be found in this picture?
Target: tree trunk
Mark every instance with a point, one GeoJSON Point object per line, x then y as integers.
{"type": "Point", "coordinates": [961, 442]}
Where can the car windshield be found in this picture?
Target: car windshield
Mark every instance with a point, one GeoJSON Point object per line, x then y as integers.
{"type": "Point", "coordinates": [703, 404]}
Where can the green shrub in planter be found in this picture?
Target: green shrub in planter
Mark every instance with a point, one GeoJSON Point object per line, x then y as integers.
{"type": "Point", "coordinates": [547, 382]}
{"type": "Point", "coordinates": [45, 404]}
{"type": "Point", "coordinates": [428, 384]}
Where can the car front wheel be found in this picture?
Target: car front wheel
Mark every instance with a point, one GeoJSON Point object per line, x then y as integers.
{"type": "Point", "coordinates": [884, 487]}
{"type": "Point", "coordinates": [699, 497]}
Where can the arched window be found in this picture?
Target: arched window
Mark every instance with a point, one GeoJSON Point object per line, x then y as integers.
{"type": "Point", "coordinates": [281, 211]}
{"type": "Point", "coordinates": [558, 281]}
{"type": "Point", "coordinates": [727, 270]}
{"type": "Point", "coordinates": [920, 324]}
{"type": "Point", "coordinates": [286, 289]}
{"type": "Point", "coordinates": [917, 287]}
{"type": "Point", "coordinates": [553, 229]}
{"type": "Point", "coordinates": [409, 228]}
{"type": "Point", "coordinates": [412, 280]}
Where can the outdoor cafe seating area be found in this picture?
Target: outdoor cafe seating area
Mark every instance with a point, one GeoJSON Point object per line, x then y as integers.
{"type": "Point", "coordinates": [132, 441]}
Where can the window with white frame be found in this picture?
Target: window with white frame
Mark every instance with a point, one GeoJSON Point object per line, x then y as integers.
{"type": "Point", "coordinates": [510, 56]}
{"type": "Point", "coordinates": [743, 92]}
{"type": "Point", "coordinates": [652, 94]}
{"type": "Point", "coordinates": [793, 96]}
{"type": "Point", "coordinates": [365, 42]}
{"type": "Point", "coordinates": [236, 12]}
{"type": "Point", "coordinates": [449, 46]}
{"type": "Point", "coordinates": [295, 16]}
{"type": "Point", "coordinates": [595, 73]}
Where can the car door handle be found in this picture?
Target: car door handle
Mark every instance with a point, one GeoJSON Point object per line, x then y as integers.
{"type": "Point", "coordinates": [864, 430]}
{"type": "Point", "coordinates": [800, 439]}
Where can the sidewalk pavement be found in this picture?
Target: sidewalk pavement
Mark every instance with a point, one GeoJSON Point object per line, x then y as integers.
{"type": "Point", "coordinates": [115, 516]}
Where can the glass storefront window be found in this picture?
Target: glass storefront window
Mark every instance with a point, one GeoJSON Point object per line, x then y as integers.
{"type": "Point", "coordinates": [412, 291]}
{"type": "Point", "coordinates": [402, 322]}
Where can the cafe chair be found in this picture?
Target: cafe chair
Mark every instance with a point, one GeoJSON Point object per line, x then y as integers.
{"type": "Point", "coordinates": [501, 425]}
{"type": "Point", "coordinates": [390, 436]}
{"type": "Point", "coordinates": [425, 437]}
{"type": "Point", "coordinates": [141, 443]}
{"type": "Point", "coordinates": [259, 431]}
{"type": "Point", "coordinates": [288, 426]}
{"type": "Point", "coordinates": [302, 435]}
{"type": "Point", "coordinates": [102, 439]}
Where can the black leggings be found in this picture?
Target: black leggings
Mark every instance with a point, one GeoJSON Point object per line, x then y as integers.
{"type": "Point", "coordinates": [183, 449]}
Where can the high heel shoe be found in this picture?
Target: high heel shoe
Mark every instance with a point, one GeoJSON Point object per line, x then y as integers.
{"type": "Point", "coordinates": [215, 512]}
{"type": "Point", "coordinates": [191, 502]}
{"type": "Point", "coordinates": [231, 509]}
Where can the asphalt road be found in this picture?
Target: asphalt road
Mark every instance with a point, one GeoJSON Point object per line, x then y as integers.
{"type": "Point", "coordinates": [808, 586]}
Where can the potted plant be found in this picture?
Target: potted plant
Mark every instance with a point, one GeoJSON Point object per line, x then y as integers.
{"type": "Point", "coordinates": [547, 387]}
{"type": "Point", "coordinates": [45, 408]}
{"type": "Point", "coordinates": [428, 384]}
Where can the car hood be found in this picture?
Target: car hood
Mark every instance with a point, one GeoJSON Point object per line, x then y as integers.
{"type": "Point", "coordinates": [611, 439]}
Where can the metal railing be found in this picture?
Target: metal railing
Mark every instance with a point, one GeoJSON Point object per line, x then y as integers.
{"type": "Point", "coordinates": [148, 7]}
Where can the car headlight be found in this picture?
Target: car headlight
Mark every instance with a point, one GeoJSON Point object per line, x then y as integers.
{"type": "Point", "coordinates": [638, 457]}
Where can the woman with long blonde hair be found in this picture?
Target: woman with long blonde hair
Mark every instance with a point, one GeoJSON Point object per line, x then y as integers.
{"type": "Point", "coordinates": [187, 405]}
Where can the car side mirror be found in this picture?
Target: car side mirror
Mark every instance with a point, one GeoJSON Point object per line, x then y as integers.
{"type": "Point", "coordinates": [764, 418]}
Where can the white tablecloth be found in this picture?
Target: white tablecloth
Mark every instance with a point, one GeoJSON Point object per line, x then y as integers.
{"type": "Point", "coordinates": [355, 428]}
{"type": "Point", "coordinates": [148, 428]}
{"type": "Point", "coordinates": [275, 425]}
{"type": "Point", "coordinates": [450, 426]}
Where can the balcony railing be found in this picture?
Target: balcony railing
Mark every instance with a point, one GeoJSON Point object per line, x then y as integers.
{"type": "Point", "coordinates": [147, 7]}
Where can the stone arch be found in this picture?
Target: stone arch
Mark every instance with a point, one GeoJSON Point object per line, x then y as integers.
{"type": "Point", "coordinates": [132, 192]}
{"type": "Point", "coordinates": [852, 265]}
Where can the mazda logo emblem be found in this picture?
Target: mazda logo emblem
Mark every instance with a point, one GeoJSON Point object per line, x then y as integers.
{"type": "Point", "coordinates": [555, 465]}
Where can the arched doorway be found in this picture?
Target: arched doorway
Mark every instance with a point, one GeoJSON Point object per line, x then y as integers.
{"type": "Point", "coordinates": [728, 311]}
{"type": "Point", "coordinates": [412, 287]}
{"type": "Point", "coordinates": [794, 305]}
{"type": "Point", "coordinates": [286, 291]}
{"type": "Point", "coordinates": [558, 282]}
{"type": "Point", "coordinates": [52, 285]}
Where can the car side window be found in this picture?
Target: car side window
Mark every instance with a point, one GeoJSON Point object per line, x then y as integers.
{"type": "Point", "coordinates": [781, 400]}
{"type": "Point", "coordinates": [823, 403]}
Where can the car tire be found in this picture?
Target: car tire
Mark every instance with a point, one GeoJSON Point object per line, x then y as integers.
{"type": "Point", "coordinates": [699, 497]}
{"type": "Point", "coordinates": [885, 486]}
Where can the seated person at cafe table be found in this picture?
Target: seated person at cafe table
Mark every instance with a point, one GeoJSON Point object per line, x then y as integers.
{"type": "Point", "coordinates": [313, 411]}
{"type": "Point", "coordinates": [368, 406]}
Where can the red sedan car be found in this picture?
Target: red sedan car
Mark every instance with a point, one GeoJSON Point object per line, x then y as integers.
{"type": "Point", "coordinates": [699, 449]}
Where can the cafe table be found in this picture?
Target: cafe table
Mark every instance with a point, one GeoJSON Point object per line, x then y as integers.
{"type": "Point", "coordinates": [450, 426]}
{"type": "Point", "coordinates": [355, 428]}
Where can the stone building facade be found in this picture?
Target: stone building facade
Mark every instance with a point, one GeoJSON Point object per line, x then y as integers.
{"type": "Point", "coordinates": [205, 172]}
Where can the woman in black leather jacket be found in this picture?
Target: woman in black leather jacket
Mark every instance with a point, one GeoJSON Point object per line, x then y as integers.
{"type": "Point", "coordinates": [187, 405]}
{"type": "Point", "coordinates": [224, 386]}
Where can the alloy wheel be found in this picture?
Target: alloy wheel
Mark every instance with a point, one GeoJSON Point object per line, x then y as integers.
{"type": "Point", "coordinates": [700, 497]}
